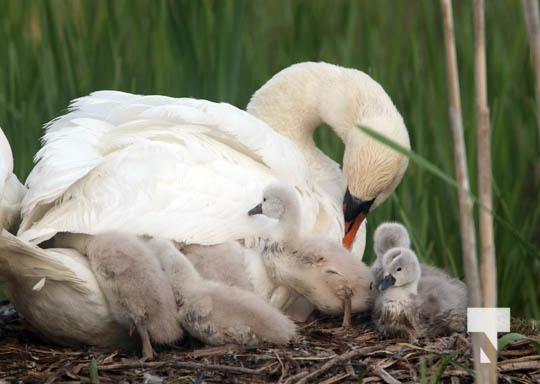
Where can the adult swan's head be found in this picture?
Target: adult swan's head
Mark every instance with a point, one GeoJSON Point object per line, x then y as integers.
{"type": "Point", "coordinates": [301, 97]}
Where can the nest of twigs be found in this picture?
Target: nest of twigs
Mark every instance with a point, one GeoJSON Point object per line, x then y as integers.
{"type": "Point", "coordinates": [322, 353]}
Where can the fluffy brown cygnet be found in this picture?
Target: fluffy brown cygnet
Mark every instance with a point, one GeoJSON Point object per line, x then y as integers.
{"type": "Point", "coordinates": [221, 262]}
{"type": "Point", "coordinates": [387, 236]}
{"type": "Point", "coordinates": [394, 235]}
{"type": "Point", "coordinates": [410, 305]}
{"type": "Point", "coordinates": [136, 287]}
{"type": "Point", "coordinates": [321, 270]}
{"type": "Point", "coordinates": [217, 313]}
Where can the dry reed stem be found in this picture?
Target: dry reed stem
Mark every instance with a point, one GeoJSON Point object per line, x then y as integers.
{"type": "Point", "coordinates": [468, 235]}
{"type": "Point", "coordinates": [487, 246]}
{"type": "Point", "coordinates": [532, 21]}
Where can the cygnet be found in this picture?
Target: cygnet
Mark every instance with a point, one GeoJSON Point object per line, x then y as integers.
{"type": "Point", "coordinates": [217, 313]}
{"type": "Point", "coordinates": [136, 287]}
{"type": "Point", "coordinates": [319, 269]}
{"type": "Point", "coordinates": [411, 305]}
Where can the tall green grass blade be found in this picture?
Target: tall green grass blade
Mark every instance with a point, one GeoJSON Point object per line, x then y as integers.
{"type": "Point", "coordinates": [504, 340]}
{"type": "Point", "coordinates": [443, 356]}
{"type": "Point", "coordinates": [93, 369]}
{"type": "Point", "coordinates": [421, 161]}
{"type": "Point", "coordinates": [423, 371]}
{"type": "Point", "coordinates": [441, 368]}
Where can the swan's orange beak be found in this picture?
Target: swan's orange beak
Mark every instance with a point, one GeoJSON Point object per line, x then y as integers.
{"type": "Point", "coordinates": [354, 212]}
{"type": "Point", "coordinates": [351, 227]}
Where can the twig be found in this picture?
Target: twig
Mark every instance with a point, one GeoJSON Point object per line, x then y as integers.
{"type": "Point", "coordinates": [349, 368]}
{"type": "Point", "coordinates": [336, 360]}
{"type": "Point", "coordinates": [532, 21]}
{"type": "Point", "coordinates": [519, 366]}
{"type": "Point", "coordinates": [381, 372]}
{"type": "Point", "coordinates": [335, 379]}
{"type": "Point", "coordinates": [283, 370]}
{"type": "Point", "coordinates": [184, 364]}
{"type": "Point", "coordinates": [295, 378]}
{"type": "Point", "coordinates": [218, 350]}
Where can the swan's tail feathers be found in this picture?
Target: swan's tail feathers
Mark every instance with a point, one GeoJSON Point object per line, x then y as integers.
{"type": "Point", "coordinates": [22, 260]}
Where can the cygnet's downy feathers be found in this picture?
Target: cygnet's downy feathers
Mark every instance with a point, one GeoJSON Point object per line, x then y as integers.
{"type": "Point", "coordinates": [217, 313]}
{"type": "Point", "coordinates": [137, 289]}
{"type": "Point", "coordinates": [410, 304]}
{"type": "Point", "coordinates": [319, 269]}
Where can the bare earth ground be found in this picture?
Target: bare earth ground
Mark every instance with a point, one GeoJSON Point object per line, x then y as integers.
{"type": "Point", "coordinates": [319, 355]}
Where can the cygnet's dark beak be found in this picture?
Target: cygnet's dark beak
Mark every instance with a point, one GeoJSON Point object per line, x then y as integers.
{"type": "Point", "coordinates": [256, 210]}
{"type": "Point", "coordinates": [388, 281]}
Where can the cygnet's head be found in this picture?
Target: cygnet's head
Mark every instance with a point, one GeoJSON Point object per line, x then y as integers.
{"type": "Point", "coordinates": [278, 198]}
{"type": "Point", "coordinates": [401, 267]}
{"type": "Point", "coordinates": [390, 235]}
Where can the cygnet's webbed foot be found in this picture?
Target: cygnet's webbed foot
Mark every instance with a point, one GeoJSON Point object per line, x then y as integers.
{"type": "Point", "coordinates": [147, 350]}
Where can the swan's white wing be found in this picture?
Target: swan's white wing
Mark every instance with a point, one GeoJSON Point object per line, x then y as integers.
{"type": "Point", "coordinates": [184, 169]}
{"type": "Point", "coordinates": [24, 261]}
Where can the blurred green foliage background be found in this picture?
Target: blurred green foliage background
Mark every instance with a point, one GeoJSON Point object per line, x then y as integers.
{"type": "Point", "coordinates": [52, 51]}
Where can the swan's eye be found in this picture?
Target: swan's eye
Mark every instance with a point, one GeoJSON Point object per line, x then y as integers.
{"type": "Point", "coordinates": [264, 199]}
{"type": "Point", "coordinates": [399, 269]}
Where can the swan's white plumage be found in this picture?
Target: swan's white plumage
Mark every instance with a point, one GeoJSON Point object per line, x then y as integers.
{"type": "Point", "coordinates": [187, 170]}
{"type": "Point", "coordinates": [70, 307]}
{"type": "Point", "coordinates": [182, 169]}
{"type": "Point", "coordinates": [11, 189]}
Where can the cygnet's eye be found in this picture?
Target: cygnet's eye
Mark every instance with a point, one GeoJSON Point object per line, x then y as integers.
{"type": "Point", "coordinates": [399, 269]}
{"type": "Point", "coordinates": [264, 199]}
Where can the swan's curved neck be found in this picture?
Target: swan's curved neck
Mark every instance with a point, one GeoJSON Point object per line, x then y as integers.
{"type": "Point", "coordinates": [299, 98]}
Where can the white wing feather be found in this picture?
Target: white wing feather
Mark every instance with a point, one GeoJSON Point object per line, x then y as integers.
{"type": "Point", "coordinates": [183, 169]}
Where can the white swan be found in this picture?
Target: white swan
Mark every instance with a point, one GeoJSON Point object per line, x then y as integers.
{"type": "Point", "coordinates": [299, 98]}
{"type": "Point", "coordinates": [134, 163]}
{"type": "Point", "coordinates": [188, 170]}
{"type": "Point", "coordinates": [56, 291]}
